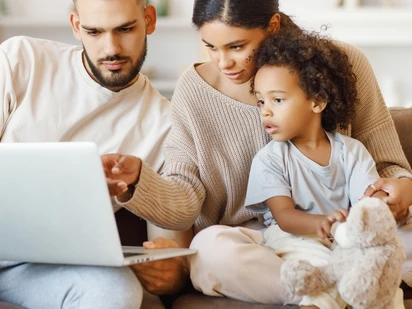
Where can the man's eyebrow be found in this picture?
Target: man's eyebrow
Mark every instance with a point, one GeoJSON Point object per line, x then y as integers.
{"type": "Point", "coordinates": [129, 23]}
{"type": "Point", "coordinates": [237, 42]}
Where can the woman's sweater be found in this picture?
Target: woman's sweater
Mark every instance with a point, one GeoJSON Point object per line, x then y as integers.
{"type": "Point", "coordinates": [214, 139]}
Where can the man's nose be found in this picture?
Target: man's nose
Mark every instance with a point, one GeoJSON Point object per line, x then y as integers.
{"type": "Point", "coordinates": [112, 45]}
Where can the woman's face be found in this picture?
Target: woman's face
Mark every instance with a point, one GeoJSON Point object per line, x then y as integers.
{"type": "Point", "coordinates": [231, 49]}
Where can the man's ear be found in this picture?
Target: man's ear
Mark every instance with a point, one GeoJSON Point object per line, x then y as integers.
{"type": "Point", "coordinates": [75, 22]}
{"type": "Point", "coordinates": [318, 106]}
{"type": "Point", "coordinates": [150, 17]}
{"type": "Point", "coordinates": [274, 23]}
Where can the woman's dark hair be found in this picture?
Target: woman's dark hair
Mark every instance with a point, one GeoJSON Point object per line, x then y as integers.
{"type": "Point", "coordinates": [248, 14]}
{"type": "Point", "coordinates": [325, 73]}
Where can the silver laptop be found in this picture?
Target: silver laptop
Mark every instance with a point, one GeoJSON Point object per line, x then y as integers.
{"type": "Point", "coordinates": [55, 208]}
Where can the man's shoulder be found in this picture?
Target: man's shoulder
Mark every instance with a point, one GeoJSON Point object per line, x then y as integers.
{"type": "Point", "coordinates": [26, 41]}
{"type": "Point", "coordinates": [153, 98]}
{"type": "Point", "coordinates": [25, 45]}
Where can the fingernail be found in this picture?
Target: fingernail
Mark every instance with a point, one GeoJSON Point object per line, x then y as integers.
{"type": "Point", "coordinates": [122, 185]}
{"type": "Point", "coordinates": [115, 170]}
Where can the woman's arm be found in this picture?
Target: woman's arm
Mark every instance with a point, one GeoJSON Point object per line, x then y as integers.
{"type": "Point", "coordinates": [173, 199]}
{"type": "Point", "coordinates": [374, 127]}
{"type": "Point", "coordinates": [372, 124]}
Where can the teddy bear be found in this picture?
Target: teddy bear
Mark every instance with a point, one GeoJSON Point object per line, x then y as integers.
{"type": "Point", "coordinates": [365, 266]}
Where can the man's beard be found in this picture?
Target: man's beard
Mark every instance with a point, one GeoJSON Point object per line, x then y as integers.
{"type": "Point", "coordinates": [117, 80]}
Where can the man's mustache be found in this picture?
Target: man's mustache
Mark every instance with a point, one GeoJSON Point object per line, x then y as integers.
{"type": "Point", "coordinates": [114, 58]}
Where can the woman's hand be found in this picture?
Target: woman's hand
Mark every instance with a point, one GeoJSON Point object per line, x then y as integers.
{"type": "Point", "coordinates": [325, 225]}
{"type": "Point", "coordinates": [162, 277]}
{"type": "Point", "coordinates": [399, 194]}
{"type": "Point", "coordinates": [120, 171]}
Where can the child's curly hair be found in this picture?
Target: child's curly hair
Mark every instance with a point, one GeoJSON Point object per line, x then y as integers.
{"type": "Point", "coordinates": [325, 73]}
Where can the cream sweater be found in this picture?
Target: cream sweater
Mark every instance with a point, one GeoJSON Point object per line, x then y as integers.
{"type": "Point", "coordinates": [214, 139]}
{"type": "Point", "coordinates": [46, 95]}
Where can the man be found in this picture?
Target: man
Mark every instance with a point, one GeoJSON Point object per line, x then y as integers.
{"type": "Point", "coordinates": [51, 91]}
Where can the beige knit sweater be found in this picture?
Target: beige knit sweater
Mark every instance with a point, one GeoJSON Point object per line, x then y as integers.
{"type": "Point", "coordinates": [214, 139]}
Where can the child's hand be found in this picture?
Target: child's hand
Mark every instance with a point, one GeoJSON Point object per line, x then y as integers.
{"type": "Point", "coordinates": [325, 225]}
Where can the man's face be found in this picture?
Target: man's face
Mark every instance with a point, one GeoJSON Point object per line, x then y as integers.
{"type": "Point", "coordinates": [113, 33]}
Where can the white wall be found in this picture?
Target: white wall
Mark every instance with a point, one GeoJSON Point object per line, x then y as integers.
{"type": "Point", "coordinates": [385, 38]}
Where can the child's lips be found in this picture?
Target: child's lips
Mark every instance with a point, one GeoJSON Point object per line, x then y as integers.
{"type": "Point", "coordinates": [271, 129]}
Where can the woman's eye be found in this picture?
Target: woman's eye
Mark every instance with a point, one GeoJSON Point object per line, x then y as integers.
{"type": "Point", "coordinates": [278, 100]}
{"type": "Point", "coordinates": [211, 47]}
{"type": "Point", "coordinates": [236, 47]}
{"type": "Point", "coordinates": [260, 103]}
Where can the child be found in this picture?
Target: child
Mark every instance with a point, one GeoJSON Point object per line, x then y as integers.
{"type": "Point", "coordinates": [308, 176]}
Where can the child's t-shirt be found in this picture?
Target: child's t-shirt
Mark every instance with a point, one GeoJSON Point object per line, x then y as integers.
{"type": "Point", "coordinates": [280, 169]}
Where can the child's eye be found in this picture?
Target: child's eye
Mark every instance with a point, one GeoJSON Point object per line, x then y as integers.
{"type": "Point", "coordinates": [260, 103]}
{"type": "Point", "coordinates": [278, 100]}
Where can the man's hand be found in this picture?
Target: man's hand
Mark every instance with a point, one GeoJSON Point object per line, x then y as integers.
{"type": "Point", "coordinates": [325, 225]}
{"type": "Point", "coordinates": [398, 194]}
{"type": "Point", "coordinates": [120, 171]}
{"type": "Point", "coordinates": [162, 277]}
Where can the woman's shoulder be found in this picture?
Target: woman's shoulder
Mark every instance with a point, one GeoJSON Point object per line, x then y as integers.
{"type": "Point", "coordinates": [355, 55]}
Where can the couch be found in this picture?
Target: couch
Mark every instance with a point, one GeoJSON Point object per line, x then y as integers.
{"type": "Point", "coordinates": [132, 231]}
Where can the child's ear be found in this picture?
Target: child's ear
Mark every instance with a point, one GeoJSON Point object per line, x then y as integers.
{"type": "Point", "coordinates": [318, 107]}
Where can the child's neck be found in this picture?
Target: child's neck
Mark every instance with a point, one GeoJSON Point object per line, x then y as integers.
{"type": "Point", "coordinates": [316, 148]}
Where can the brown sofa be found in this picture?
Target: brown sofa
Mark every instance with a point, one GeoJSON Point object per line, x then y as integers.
{"type": "Point", "coordinates": [193, 300]}
{"type": "Point", "coordinates": [133, 232]}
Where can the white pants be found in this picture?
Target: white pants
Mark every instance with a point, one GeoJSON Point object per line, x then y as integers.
{"type": "Point", "coordinates": [233, 262]}
{"type": "Point", "coordinates": [310, 248]}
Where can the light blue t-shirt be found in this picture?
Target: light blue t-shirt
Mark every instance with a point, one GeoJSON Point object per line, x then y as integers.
{"type": "Point", "coordinates": [280, 169]}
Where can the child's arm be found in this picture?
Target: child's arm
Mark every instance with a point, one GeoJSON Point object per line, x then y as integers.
{"type": "Point", "coordinates": [294, 221]}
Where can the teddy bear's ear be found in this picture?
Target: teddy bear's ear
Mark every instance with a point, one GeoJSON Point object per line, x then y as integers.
{"type": "Point", "coordinates": [357, 219]}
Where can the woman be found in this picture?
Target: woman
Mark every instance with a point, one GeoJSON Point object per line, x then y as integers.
{"type": "Point", "coordinates": [216, 132]}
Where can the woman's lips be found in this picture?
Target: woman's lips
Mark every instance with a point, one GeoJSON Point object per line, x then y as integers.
{"type": "Point", "coordinates": [233, 75]}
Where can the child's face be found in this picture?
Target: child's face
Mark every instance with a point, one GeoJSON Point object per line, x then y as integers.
{"type": "Point", "coordinates": [285, 110]}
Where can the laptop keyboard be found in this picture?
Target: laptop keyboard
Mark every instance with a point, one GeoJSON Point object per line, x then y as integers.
{"type": "Point", "coordinates": [127, 254]}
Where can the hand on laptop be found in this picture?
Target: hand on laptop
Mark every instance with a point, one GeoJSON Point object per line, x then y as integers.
{"type": "Point", "coordinates": [162, 277]}
{"type": "Point", "coordinates": [121, 171]}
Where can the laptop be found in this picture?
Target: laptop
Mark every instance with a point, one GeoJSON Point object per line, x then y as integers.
{"type": "Point", "coordinates": [55, 208]}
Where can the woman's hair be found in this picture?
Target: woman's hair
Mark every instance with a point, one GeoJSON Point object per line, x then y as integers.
{"type": "Point", "coordinates": [248, 14]}
{"type": "Point", "coordinates": [324, 71]}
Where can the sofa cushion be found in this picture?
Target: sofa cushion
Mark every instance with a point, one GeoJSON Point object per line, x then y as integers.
{"type": "Point", "coordinates": [402, 118]}
{"type": "Point", "coordinates": [199, 301]}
